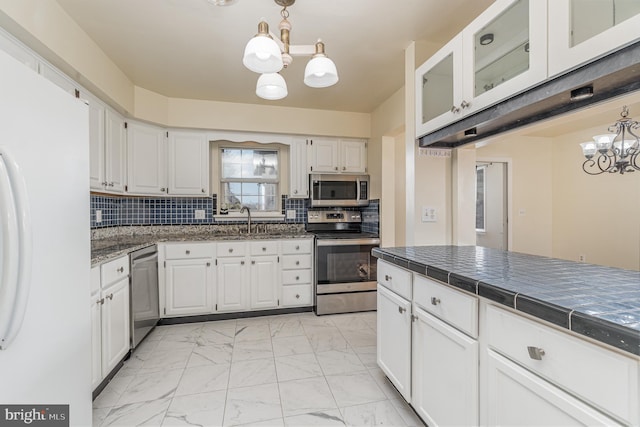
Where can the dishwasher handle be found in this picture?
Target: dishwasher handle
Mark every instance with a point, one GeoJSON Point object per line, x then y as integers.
{"type": "Point", "coordinates": [136, 261]}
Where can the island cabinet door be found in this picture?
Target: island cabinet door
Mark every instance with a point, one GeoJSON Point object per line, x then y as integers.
{"type": "Point", "coordinates": [518, 397]}
{"type": "Point", "coordinates": [394, 340]}
{"type": "Point", "coordinates": [445, 373]}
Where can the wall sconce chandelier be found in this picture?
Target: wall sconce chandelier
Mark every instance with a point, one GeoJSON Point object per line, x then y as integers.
{"type": "Point", "coordinates": [613, 154]}
{"type": "Point", "coordinates": [267, 55]}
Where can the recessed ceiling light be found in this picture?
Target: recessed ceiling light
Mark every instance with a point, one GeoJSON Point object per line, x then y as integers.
{"type": "Point", "coordinates": [486, 39]}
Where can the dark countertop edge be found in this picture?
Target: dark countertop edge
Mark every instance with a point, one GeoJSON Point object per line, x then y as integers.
{"type": "Point", "coordinates": [601, 330]}
{"type": "Point", "coordinates": [101, 259]}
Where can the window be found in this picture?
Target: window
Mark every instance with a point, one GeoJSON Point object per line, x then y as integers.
{"type": "Point", "coordinates": [250, 177]}
{"type": "Point", "coordinates": [480, 198]}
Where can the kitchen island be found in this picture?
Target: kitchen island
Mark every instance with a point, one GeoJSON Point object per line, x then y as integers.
{"type": "Point", "coordinates": [472, 335]}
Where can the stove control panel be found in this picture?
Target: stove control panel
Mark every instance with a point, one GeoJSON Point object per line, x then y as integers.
{"type": "Point", "coordinates": [332, 216]}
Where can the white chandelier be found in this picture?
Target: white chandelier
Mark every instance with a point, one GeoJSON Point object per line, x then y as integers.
{"type": "Point", "coordinates": [613, 154]}
{"type": "Point", "coordinates": [268, 55]}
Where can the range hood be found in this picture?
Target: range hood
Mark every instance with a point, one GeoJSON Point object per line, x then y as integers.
{"type": "Point", "coordinates": [610, 76]}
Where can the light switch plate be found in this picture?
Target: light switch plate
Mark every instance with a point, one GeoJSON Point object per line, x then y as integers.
{"type": "Point", "coordinates": [291, 214]}
{"type": "Point", "coordinates": [429, 214]}
{"type": "Point", "coordinates": [199, 213]}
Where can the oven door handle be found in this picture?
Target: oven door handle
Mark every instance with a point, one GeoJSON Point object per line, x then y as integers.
{"type": "Point", "coordinates": [347, 242]}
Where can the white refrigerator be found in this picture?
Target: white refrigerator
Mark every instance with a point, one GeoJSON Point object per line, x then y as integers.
{"type": "Point", "coordinates": [45, 323]}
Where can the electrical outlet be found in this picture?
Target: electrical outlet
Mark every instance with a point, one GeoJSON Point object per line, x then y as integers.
{"type": "Point", "coordinates": [582, 258]}
{"type": "Point", "coordinates": [98, 215]}
{"type": "Point", "coordinates": [429, 214]}
{"type": "Point", "coordinates": [199, 214]}
{"type": "Point", "coordinates": [291, 214]}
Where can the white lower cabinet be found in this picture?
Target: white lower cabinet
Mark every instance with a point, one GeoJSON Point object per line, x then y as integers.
{"type": "Point", "coordinates": [445, 373]}
{"type": "Point", "coordinates": [110, 327]}
{"type": "Point", "coordinates": [232, 284]}
{"type": "Point", "coordinates": [518, 397]}
{"type": "Point", "coordinates": [394, 339]}
{"type": "Point", "coordinates": [188, 287]}
{"type": "Point", "coordinates": [263, 272]}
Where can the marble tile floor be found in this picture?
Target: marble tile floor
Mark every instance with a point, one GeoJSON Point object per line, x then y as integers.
{"type": "Point", "coordinates": [286, 370]}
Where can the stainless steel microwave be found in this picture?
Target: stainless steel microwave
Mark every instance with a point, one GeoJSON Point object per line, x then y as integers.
{"type": "Point", "coordinates": [339, 190]}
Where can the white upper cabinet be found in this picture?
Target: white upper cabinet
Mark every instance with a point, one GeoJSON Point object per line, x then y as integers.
{"type": "Point", "coordinates": [502, 52]}
{"type": "Point", "coordinates": [57, 78]}
{"type": "Point", "coordinates": [188, 163]}
{"type": "Point", "coordinates": [338, 155]}
{"type": "Point", "coordinates": [298, 169]}
{"type": "Point", "coordinates": [115, 152]}
{"type": "Point", "coordinates": [15, 49]}
{"type": "Point", "coordinates": [96, 141]}
{"type": "Point", "coordinates": [583, 30]}
{"type": "Point", "coordinates": [146, 148]}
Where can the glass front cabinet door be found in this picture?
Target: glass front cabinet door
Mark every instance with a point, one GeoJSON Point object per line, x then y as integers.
{"type": "Point", "coordinates": [582, 30]}
{"type": "Point", "coordinates": [502, 52]}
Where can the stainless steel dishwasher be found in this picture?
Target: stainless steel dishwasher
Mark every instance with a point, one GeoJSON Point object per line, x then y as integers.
{"type": "Point", "coordinates": [145, 310]}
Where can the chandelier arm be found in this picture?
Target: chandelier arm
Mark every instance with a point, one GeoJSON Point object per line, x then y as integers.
{"type": "Point", "coordinates": [607, 163]}
{"type": "Point", "coordinates": [635, 147]}
{"type": "Point", "coordinates": [589, 167]}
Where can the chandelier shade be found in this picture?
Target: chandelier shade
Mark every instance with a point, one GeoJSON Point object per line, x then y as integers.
{"type": "Point", "coordinates": [262, 54]}
{"type": "Point", "coordinates": [614, 152]}
{"type": "Point", "coordinates": [271, 86]}
{"type": "Point", "coordinates": [320, 71]}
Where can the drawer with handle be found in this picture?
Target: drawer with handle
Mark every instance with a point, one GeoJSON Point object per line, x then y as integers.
{"type": "Point", "coordinates": [189, 250]}
{"type": "Point", "coordinates": [295, 277]}
{"type": "Point", "coordinates": [395, 278]}
{"type": "Point", "coordinates": [296, 295]}
{"type": "Point", "coordinates": [454, 307]}
{"type": "Point", "coordinates": [263, 247]}
{"type": "Point", "coordinates": [113, 271]}
{"type": "Point", "coordinates": [297, 246]}
{"type": "Point", "coordinates": [229, 249]}
{"type": "Point", "coordinates": [290, 262]}
{"type": "Point", "coordinates": [598, 375]}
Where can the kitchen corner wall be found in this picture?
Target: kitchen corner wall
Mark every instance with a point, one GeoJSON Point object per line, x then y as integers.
{"type": "Point", "coordinates": [123, 211]}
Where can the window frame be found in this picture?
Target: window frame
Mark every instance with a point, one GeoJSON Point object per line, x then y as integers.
{"type": "Point", "coordinates": [481, 169]}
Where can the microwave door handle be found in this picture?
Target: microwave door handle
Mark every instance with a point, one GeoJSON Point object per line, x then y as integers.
{"type": "Point", "coordinates": [16, 251]}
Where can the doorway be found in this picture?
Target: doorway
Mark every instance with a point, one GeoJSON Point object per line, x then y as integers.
{"type": "Point", "coordinates": [492, 229]}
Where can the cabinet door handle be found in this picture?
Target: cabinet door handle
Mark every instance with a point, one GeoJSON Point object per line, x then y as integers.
{"type": "Point", "coordinates": [297, 262]}
{"type": "Point", "coordinates": [297, 278]}
{"type": "Point", "coordinates": [253, 262]}
{"type": "Point", "coordinates": [163, 190]}
{"type": "Point", "coordinates": [435, 301]}
{"type": "Point", "coordinates": [297, 296]}
{"type": "Point", "coordinates": [344, 168]}
{"type": "Point", "coordinates": [464, 104]}
{"type": "Point", "coordinates": [414, 317]}
{"type": "Point", "coordinates": [187, 251]}
{"type": "Point", "coordinates": [401, 310]}
{"type": "Point", "coordinates": [455, 110]}
{"type": "Point", "coordinates": [297, 248]}
{"type": "Point", "coordinates": [202, 189]}
{"type": "Point", "coordinates": [120, 270]}
{"type": "Point", "coordinates": [535, 353]}
{"type": "Point", "coordinates": [241, 262]}
{"type": "Point", "coordinates": [111, 184]}
{"type": "Point", "coordinates": [264, 249]}
{"type": "Point", "coordinates": [100, 301]}
{"type": "Point", "coordinates": [208, 264]}
{"type": "Point", "coordinates": [110, 296]}
{"type": "Point", "coordinates": [387, 278]}
{"type": "Point", "coordinates": [230, 250]}
{"type": "Point", "coordinates": [336, 168]}
{"type": "Point", "coordinates": [105, 183]}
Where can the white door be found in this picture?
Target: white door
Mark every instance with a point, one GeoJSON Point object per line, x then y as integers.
{"type": "Point", "coordinates": [518, 398]}
{"type": "Point", "coordinates": [187, 287]}
{"type": "Point", "coordinates": [232, 284]}
{"type": "Point", "coordinates": [146, 160]}
{"type": "Point", "coordinates": [324, 155]}
{"type": "Point", "coordinates": [445, 373]}
{"type": "Point", "coordinates": [394, 339]}
{"type": "Point", "coordinates": [491, 205]}
{"type": "Point", "coordinates": [264, 282]}
{"type": "Point", "coordinates": [115, 151]}
{"type": "Point", "coordinates": [188, 163]}
{"type": "Point", "coordinates": [298, 169]}
{"type": "Point", "coordinates": [353, 156]}
{"type": "Point", "coordinates": [115, 325]}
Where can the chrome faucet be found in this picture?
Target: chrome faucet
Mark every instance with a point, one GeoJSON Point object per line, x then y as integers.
{"type": "Point", "coordinates": [246, 208]}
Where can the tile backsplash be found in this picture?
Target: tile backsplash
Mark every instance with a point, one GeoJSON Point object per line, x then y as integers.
{"type": "Point", "coordinates": [125, 211]}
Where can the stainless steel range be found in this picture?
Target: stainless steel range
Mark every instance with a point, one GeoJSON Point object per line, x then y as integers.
{"type": "Point", "coordinates": [345, 273]}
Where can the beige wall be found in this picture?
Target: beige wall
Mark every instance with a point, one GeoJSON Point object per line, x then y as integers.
{"type": "Point", "coordinates": [595, 216]}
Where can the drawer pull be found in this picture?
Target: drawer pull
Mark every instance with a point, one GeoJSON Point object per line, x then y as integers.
{"type": "Point", "coordinates": [121, 270]}
{"type": "Point", "coordinates": [230, 250]}
{"type": "Point", "coordinates": [264, 249]}
{"type": "Point", "coordinates": [535, 353]}
{"type": "Point", "coordinates": [297, 262]}
{"type": "Point", "coordinates": [297, 277]}
{"type": "Point", "coordinates": [110, 296]}
{"type": "Point", "coordinates": [241, 262]}
{"type": "Point", "coordinates": [208, 264]}
{"type": "Point", "coordinates": [435, 301]}
{"type": "Point", "coordinates": [297, 248]}
{"type": "Point", "coordinates": [253, 262]}
{"type": "Point", "coordinates": [297, 296]}
{"type": "Point", "coordinates": [387, 277]}
{"type": "Point", "coordinates": [187, 251]}
{"type": "Point", "coordinates": [401, 310]}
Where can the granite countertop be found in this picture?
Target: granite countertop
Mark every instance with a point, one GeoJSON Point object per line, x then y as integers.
{"type": "Point", "coordinates": [602, 303]}
{"type": "Point", "coordinates": [108, 244]}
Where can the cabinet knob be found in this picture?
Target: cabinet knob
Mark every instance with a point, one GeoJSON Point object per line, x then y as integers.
{"type": "Point", "coordinates": [297, 262]}
{"type": "Point", "coordinates": [387, 277]}
{"type": "Point", "coordinates": [455, 110]}
{"type": "Point", "coordinates": [336, 168]}
{"type": "Point", "coordinates": [241, 262]}
{"type": "Point", "coordinates": [230, 250]}
{"type": "Point", "coordinates": [187, 251]}
{"type": "Point", "coordinates": [120, 270]}
{"type": "Point", "coordinates": [414, 317]}
{"type": "Point", "coordinates": [295, 191]}
{"type": "Point", "coordinates": [344, 168]}
{"type": "Point", "coordinates": [535, 353]}
{"type": "Point", "coordinates": [464, 104]}
{"type": "Point", "coordinates": [110, 296]}
{"type": "Point", "coordinates": [111, 184]}
{"type": "Point", "coordinates": [435, 301]}
{"type": "Point", "coordinates": [163, 190]}
{"type": "Point", "coordinates": [401, 310]}
{"type": "Point", "coordinates": [253, 262]}
{"type": "Point", "coordinates": [297, 277]}
{"type": "Point", "coordinates": [100, 301]}
{"type": "Point", "coordinates": [264, 249]}
{"type": "Point", "coordinates": [297, 296]}
{"type": "Point", "coordinates": [208, 264]}
{"type": "Point", "coordinates": [297, 248]}
{"type": "Point", "coordinates": [105, 183]}
{"type": "Point", "coordinates": [202, 189]}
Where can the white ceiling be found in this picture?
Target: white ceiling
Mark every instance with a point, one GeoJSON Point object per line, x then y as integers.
{"type": "Point", "coordinates": [192, 49]}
